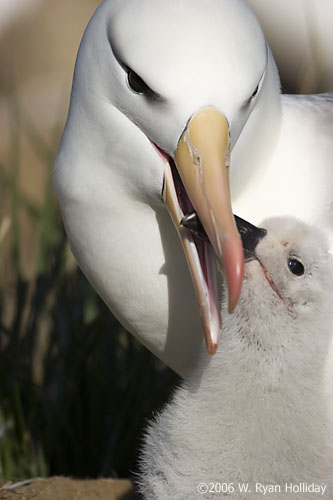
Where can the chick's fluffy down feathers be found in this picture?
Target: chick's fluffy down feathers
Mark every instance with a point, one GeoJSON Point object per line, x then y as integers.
{"type": "Point", "coordinates": [259, 410]}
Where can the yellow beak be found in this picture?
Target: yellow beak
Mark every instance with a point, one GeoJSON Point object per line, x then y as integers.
{"type": "Point", "coordinates": [202, 160]}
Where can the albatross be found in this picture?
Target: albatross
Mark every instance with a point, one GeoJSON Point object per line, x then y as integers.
{"type": "Point", "coordinates": [176, 107]}
{"type": "Point", "coordinates": [257, 419]}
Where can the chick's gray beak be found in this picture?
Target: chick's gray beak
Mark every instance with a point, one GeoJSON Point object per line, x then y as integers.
{"type": "Point", "coordinates": [250, 235]}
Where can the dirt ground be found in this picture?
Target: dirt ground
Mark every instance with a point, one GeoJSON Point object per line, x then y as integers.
{"type": "Point", "coordinates": [62, 488]}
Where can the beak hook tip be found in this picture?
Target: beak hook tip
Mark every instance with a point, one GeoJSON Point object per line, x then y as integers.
{"type": "Point", "coordinates": [212, 348]}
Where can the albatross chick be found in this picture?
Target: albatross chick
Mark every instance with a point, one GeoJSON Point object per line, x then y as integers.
{"type": "Point", "coordinates": [257, 414]}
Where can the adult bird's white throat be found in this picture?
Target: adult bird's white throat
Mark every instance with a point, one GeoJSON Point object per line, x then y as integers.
{"type": "Point", "coordinates": [190, 87]}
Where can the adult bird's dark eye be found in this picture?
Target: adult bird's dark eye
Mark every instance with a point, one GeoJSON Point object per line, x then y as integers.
{"type": "Point", "coordinates": [255, 92]}
{"type": "Point", "coordinates": [137, 84]}
{"type": "Point", "coordinates": [295, 267]}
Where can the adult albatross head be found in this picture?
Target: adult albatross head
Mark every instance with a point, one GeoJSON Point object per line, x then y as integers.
{"type": "Point", "coordinates": [163, 91]}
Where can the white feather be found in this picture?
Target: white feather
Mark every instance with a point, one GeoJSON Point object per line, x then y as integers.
{"type": "Point", "coordinates": [109, 178]}
{"type": "Point", "coordinates": [259, 411]}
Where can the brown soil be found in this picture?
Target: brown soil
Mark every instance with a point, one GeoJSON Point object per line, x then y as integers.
{"type": "Point", "coordinates": [62, 488]}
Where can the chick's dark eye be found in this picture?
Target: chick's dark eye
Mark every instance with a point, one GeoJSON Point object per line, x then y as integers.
{"type": "Point", "coordinates": [295, 266]}
{"type": "Point", "coordinates": [136, 83]}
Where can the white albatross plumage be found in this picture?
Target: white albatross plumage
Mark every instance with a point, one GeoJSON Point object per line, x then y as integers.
{"type": "Point", "coordinates": [260, 412]}
{"type": "Point", "coordinates": [301, 38]}
{"type": "Point", "coordinates": [143, 70]}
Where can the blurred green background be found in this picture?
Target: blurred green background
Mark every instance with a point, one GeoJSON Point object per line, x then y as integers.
{"type": "Point", "coordinates": [75, 388]}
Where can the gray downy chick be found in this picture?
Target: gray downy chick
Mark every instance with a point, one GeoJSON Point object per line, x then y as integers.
{"type": "Point", "coordinates": [259, 413]}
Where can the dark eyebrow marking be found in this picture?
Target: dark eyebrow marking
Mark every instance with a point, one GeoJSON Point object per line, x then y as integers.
{"type": "Point", "coordinates": [149, 92]}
